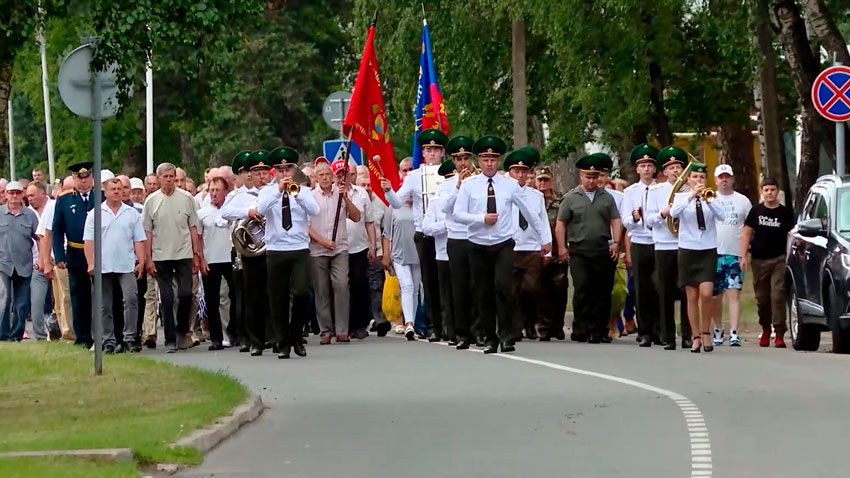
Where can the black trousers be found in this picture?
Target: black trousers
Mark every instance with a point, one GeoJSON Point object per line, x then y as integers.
{"type": "Point", "coordinates": [141, 288]}
{"type": "Point", "coordinates": [493, 266]}
{"type": "Point", "coordinates": [359, 312]}
{"type": "Point", "coordinates": [593, 278]}
{"type": "Point", "coordinates": [166, 272]}
{"type": "Point", "coordinates": [212, 293]}
{"type": "Point", "coordinates": [463, 300]}
{"type": "Point", "coordinates": [117, 313]}
{"type": "Point", "coordinates": [79, 284]}
{"type": "Point", "coordinates": [555, 283]}
{"type": "Point", "coordinates": [444, 272]}
{"type": "Point", "coordinates": [256, 300]}
{"type": "Point", "coordinates": [236, 327]}
{"type": "Point", "coordinates": [376, 290]}
{"type": "Point", "coordinates": [646, 298]}
{"type": "Point", "coordinates": [430, 282]}
{"type": "Point", "coordinates": [667, 274]}
{"type": "Point", "coordinates": [528, 268]}
{"type": "Point", "coordinates": [290, 273]}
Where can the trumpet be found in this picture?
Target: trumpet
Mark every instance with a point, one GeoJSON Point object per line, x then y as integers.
{"type": "Point", "coordinates": [708, 195]}
{"type": "Point", "coordinates": [466, 174]}
{"type": "Point", "coordinates": [292, 188]}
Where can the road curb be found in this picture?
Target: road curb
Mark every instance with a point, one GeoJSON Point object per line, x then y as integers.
{"type": "Point", "coordinates": [113, 454]}
{"type": "Point", "coordinates": [205, 439]}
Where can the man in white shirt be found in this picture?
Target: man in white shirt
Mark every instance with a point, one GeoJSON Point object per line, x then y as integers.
{"type": "Point", "coordinates": [432, 142]}
{"type": "Point", "coordinates": [485, 203]}
{"type": "Point", "coordinates": [641, 249]}
{"type": "Point", "coordinates": [434, 225]}
{"type": "Point", "coordinates": [287, 251]}
{"type": "Point", "coordinates": [730, 278]}
{"type": "Point", "coordinates": [40, 284]}
{"type": "Point", "coordinates": [123, 239]}
{"type": "Point", "coordinates": [528, 262]}
{"type": "Point", "coordinates": [361, 251]}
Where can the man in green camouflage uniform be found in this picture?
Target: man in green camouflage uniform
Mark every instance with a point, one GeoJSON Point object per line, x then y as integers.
{"type": "Point", "coordinates": [555, 278]}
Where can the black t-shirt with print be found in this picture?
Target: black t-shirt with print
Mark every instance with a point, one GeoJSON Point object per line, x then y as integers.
{"type": "Point", "coordinates": [771, 227]}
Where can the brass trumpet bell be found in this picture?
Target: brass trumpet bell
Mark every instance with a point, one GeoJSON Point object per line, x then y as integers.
{"type": "Point", "coordinates": [292, 188]}
{"type": "Point", "coordinates": [708, 195]}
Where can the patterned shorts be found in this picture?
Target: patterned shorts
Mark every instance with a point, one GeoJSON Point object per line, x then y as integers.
{"type": "Point", "coordinates": [729, 274]}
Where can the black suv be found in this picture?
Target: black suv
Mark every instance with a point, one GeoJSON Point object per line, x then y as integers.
{"type": "Point", "coordinates": [817, 271]}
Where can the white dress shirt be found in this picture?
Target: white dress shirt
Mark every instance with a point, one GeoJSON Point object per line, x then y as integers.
{"type": "Point", "coordinates": [434, 225]}
{"type": "Point", "coordinates": [448, 196]}
{"type": "Point", "coordinates": [690, 235]}
{"type": "Point", "coordinates": [236, 205]}
{"type": "Point", "coordinates": [529, 239]}
{"type": "Point", "coordinates": [49, 204]}
{"type": "Point", "coordinates": [376, 212]}
{"type": "Point", "coordinates": [634, 197]}
{"type": "Point", "coordinates": [358, 239]}
{"type": "Point", "coordinates": [270, 205]}
{"type": "Point", "coordinates": [120, 231]}
{"type": "Point", "coordinates": [215, 232]}
{"type": "Point", "coordinates": [662, 237]}
{"type": "Point", "coordinates": [471, 208]}
{"type": "Point", "coordinates": [411, 188]}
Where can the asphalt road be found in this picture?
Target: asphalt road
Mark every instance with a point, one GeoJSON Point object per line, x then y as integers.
{"type": "Point", "coordinates": [385, 407]}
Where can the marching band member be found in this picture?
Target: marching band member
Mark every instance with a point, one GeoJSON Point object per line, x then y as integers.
{"type": "Point", "coordinates": [528, 262]}
{"type": "Point", "coordinates": [287, 251]}
{"type": "Point", "coordinates": [641, 249]}
{"type": "Point", "coordinates": [697, 251]}
{"type": "Point", "coordinates": [434, 225]}
{"type": "Point", "coordinates": [485, 203]}
{"type": "Point", "coordinates": [432, 142]}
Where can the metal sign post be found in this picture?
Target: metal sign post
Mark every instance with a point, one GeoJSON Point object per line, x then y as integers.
{"type": "Point", "coordinates": [11, 140]}
{"type": "Point", "coordinates": [334, 109]}
{"type": "Point", "coordinates": [831, 98]}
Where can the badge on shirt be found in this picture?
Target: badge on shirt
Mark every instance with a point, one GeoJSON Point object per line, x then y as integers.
{"type": "Point", "coordinates": [73, 208]}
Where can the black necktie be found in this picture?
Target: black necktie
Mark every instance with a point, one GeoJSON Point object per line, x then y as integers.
{"type": "Point", "coordinates": [85, 200]}
{"type": "Point", "coordinates": [700, 216]}
{"type": "Point", "coordinates": [643, 206]}
{"type": "Point", "coordinates": [491, 197]}
{"type": "Point", "coordinates": [523, 224]}
{"type": "Point", "coordinates": [287, 216]}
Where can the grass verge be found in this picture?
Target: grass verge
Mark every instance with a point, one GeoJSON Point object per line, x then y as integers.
{"type": "Point", "coordinates": [61, 467]}
{"type": "Point", "coordinates": [50, 400]}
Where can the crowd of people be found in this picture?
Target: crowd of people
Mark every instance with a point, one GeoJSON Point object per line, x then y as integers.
{"type": "Point", "coordinates": [481, 256]}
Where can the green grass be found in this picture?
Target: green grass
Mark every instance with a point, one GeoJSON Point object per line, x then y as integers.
{"type": "Point", "coordinates": [60, 467]}
{"type": "Point", "coordinates": [50, 400]}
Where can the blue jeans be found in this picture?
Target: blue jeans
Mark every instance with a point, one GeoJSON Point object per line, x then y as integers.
{"type": "Point", "coordinates": [38, 297]}
{"type": "Point", "coordinates": [17, 296]}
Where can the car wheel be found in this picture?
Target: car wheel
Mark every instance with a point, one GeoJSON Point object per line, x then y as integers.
{"type": "Point", "coordinates": [804, 337]}
{"type": "Point", "coordinates": [840, 338]}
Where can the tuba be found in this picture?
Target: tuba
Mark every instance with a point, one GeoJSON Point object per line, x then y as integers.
{"type": "Point", "coordinates": [249, 237]}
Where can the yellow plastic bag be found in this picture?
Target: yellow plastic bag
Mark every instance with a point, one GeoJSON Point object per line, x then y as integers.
{"type": "Point", "coordinates": [620, 290]}
{"type": "Point", "coordinates": [391, 300]}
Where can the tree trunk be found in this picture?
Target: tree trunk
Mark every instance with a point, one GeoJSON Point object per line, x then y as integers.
{"type": "Point", "coordinates": [809, 156]}
{"type": "Point", "coordinates": [5, 94]}
{"type": "Point", "coordinates": [520, 99]}
{"type": "Point", "coordinates": [736, 149]}
{"type": "Point", "coordinates": [823, 27]}
{"type": "Point", "coordinates": [538, 140]}
{"type": "Point", "coordinates": [656, 98]}
{"type": "Point", "coordinates": [187, 154]}
{"type": "Point", "coordinates": [771, 146]}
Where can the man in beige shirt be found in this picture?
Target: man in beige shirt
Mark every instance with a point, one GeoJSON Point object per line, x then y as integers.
{"type": "Point", "coordinates": [173, 251]}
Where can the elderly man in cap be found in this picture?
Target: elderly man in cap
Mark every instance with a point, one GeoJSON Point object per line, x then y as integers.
{"type": "Point", "coordinates": [18, 226]}
{"type": "Point", "coordinates": [69, 220]}
{"type": "Point", "coordinates": [137, 193]}
{"type": "Point", "coordinates": [588, 233]}
{"type": "Point", "coordinates": [555, 277]}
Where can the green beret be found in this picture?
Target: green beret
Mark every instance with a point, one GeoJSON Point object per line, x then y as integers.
{"type": "Point", "coordinates": [589, 165]}
{"type": "Point", "coordinates": [432, 137]}
{"type": "Point", "coordinates": [460, 145]}
{"type": "Point", "coordinates": [447, 168]}
{"type": "Point", "coordinates": [283, 156]}
{"type": "Point", "coordinates": [698, 168]}
{"type": "Point", "coordinates": [489, 145]}
{"type": "Point", "coordinates": [238, 163]}
{"type": "Point", "coordinates": [257, 160]}
{"type": "Point", "coordinates": [82, 169]}
{"type": "Point", "coordinates": [518, 158]}
{"type": "Point", "coordinates": [643, 153]}
{"type": "Point", "coordinates": [671, 155]}
{"type": "Point", "coordinates": [604, 162]}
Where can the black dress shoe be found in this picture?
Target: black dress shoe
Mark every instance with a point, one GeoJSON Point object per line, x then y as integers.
{"type": "Point", "coordinates": [594, 339]}
{"type": "Point", "coordinates": [575, 337]}
{"type": "Point", "coordinates": [687, 343]}
{"type": "Point", "coordinates": [216, 346]}
{"type": "Point", "coordinates": [269, 345]}
{"type": "Point", "coordinates": [382, 328]}
{"type": "Point", "coordinates": [508, 347]}
{"type": "Point", "coordinates": [670, 346]}
{"type": "Point", "coordinates": [433, 337]}
{"type": "Point", "coordinates": [657, 341]}
{"type": "Point", "coordinates": [491, 349]}
{"type": "Point", "coordinates": [109, 349]}
{"type": "Point", "coordinates": [244, 348]}
{"type": "Point", "coordinates": [256, 351]}
{"type": "Point", "coordinates": [605, 339]}
{"type": "Point", "coordinates": [305, 334]}
{"type": "Point", "coordinates": [479, 342]}
{"type": "Point", "coordinates": [531, 334]}
{"type": "Point", "coordinates": [452, 342]}
{"type": "Point", "coordinates": [135, 348]}
{"type": "Point", "coordinates": [299, 350]}
{"type": "Point", "coordinates": [545, 338]}
{"type": "Point", "coordinates": [645, 342]}
{"type": "Point", "coordinates": [275, 348]}
{"type": "Point", "coordinates": [284, 352]}
{"type": "Point", "coordinates": [150, 343]}
{"type": "Point", "coordinates": [121, 348]}
{"type": "Point", "coordinates": [462, 345]}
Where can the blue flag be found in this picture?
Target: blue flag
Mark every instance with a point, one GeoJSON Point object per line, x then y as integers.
{"type": "Point", "coordinates": [430, 107]}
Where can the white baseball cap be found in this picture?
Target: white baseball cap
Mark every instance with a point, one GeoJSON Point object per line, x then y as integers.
{"type": "Point", "coordinates": [136, 183]}
{"type": "Point", "coordinates": [723, 169]}
{"type": "Point", "coordinates": [14, 186]}
{"type": "Point", "coordinates": [106, 175]}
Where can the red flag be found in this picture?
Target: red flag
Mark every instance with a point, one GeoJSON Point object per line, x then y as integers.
{"type": "Point", "coordinates": [366, 121]}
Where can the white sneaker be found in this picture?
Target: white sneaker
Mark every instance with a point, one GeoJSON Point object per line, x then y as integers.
{"type": "Point", "coordinates": [718, 336]}
{"type": "Point", "coordinates": [409, 332]}
{"type": "Point", "coordinates": [734, 341]}
{"type": "Point", "coordinates": [225, 343]}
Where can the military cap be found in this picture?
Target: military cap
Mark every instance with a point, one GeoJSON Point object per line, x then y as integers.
{"type": "Point", "coordinates": [518, 158]}
{"type": "Point", "coordinates": [238, 163]}
{"type": "Point", "coordinates": [257, 160]}
{"type": "Point", "coordinates": [82, 169]}
{"type": "Point", "coordinates": [432, 137]}
{"type": "Point", "coordinates": [489, 146]}
{"type": "Point", "coordinates": [283, 156]}
{"type": "Point", "coordinates": [604, 162]}
{"type": "Point", "coordinates": [460, 145]}
{"type": "Point", "coordinates": [544, 172]}
{"type": "Point", "coordinates": [533, 155]}
{"type": "Point", "coordinates": [671, 155]}
{"type": "Point", "coordinates": [589, 165]}
{"type": "Point", "coordinates": [643, 153]}
{"type": "Point", "coordinates": [447, 169]}
{"type": "Point", "coordinates": [698, 168]}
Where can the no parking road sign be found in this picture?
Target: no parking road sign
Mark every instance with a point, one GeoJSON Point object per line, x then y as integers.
{"type": "Point", "coordinates": [831, 93]}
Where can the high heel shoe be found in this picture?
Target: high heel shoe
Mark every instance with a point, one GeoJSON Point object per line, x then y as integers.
{"type": "Point", "coordinates": [708, 348]}
{"type": "Point", "coordinates": [696, 342]}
